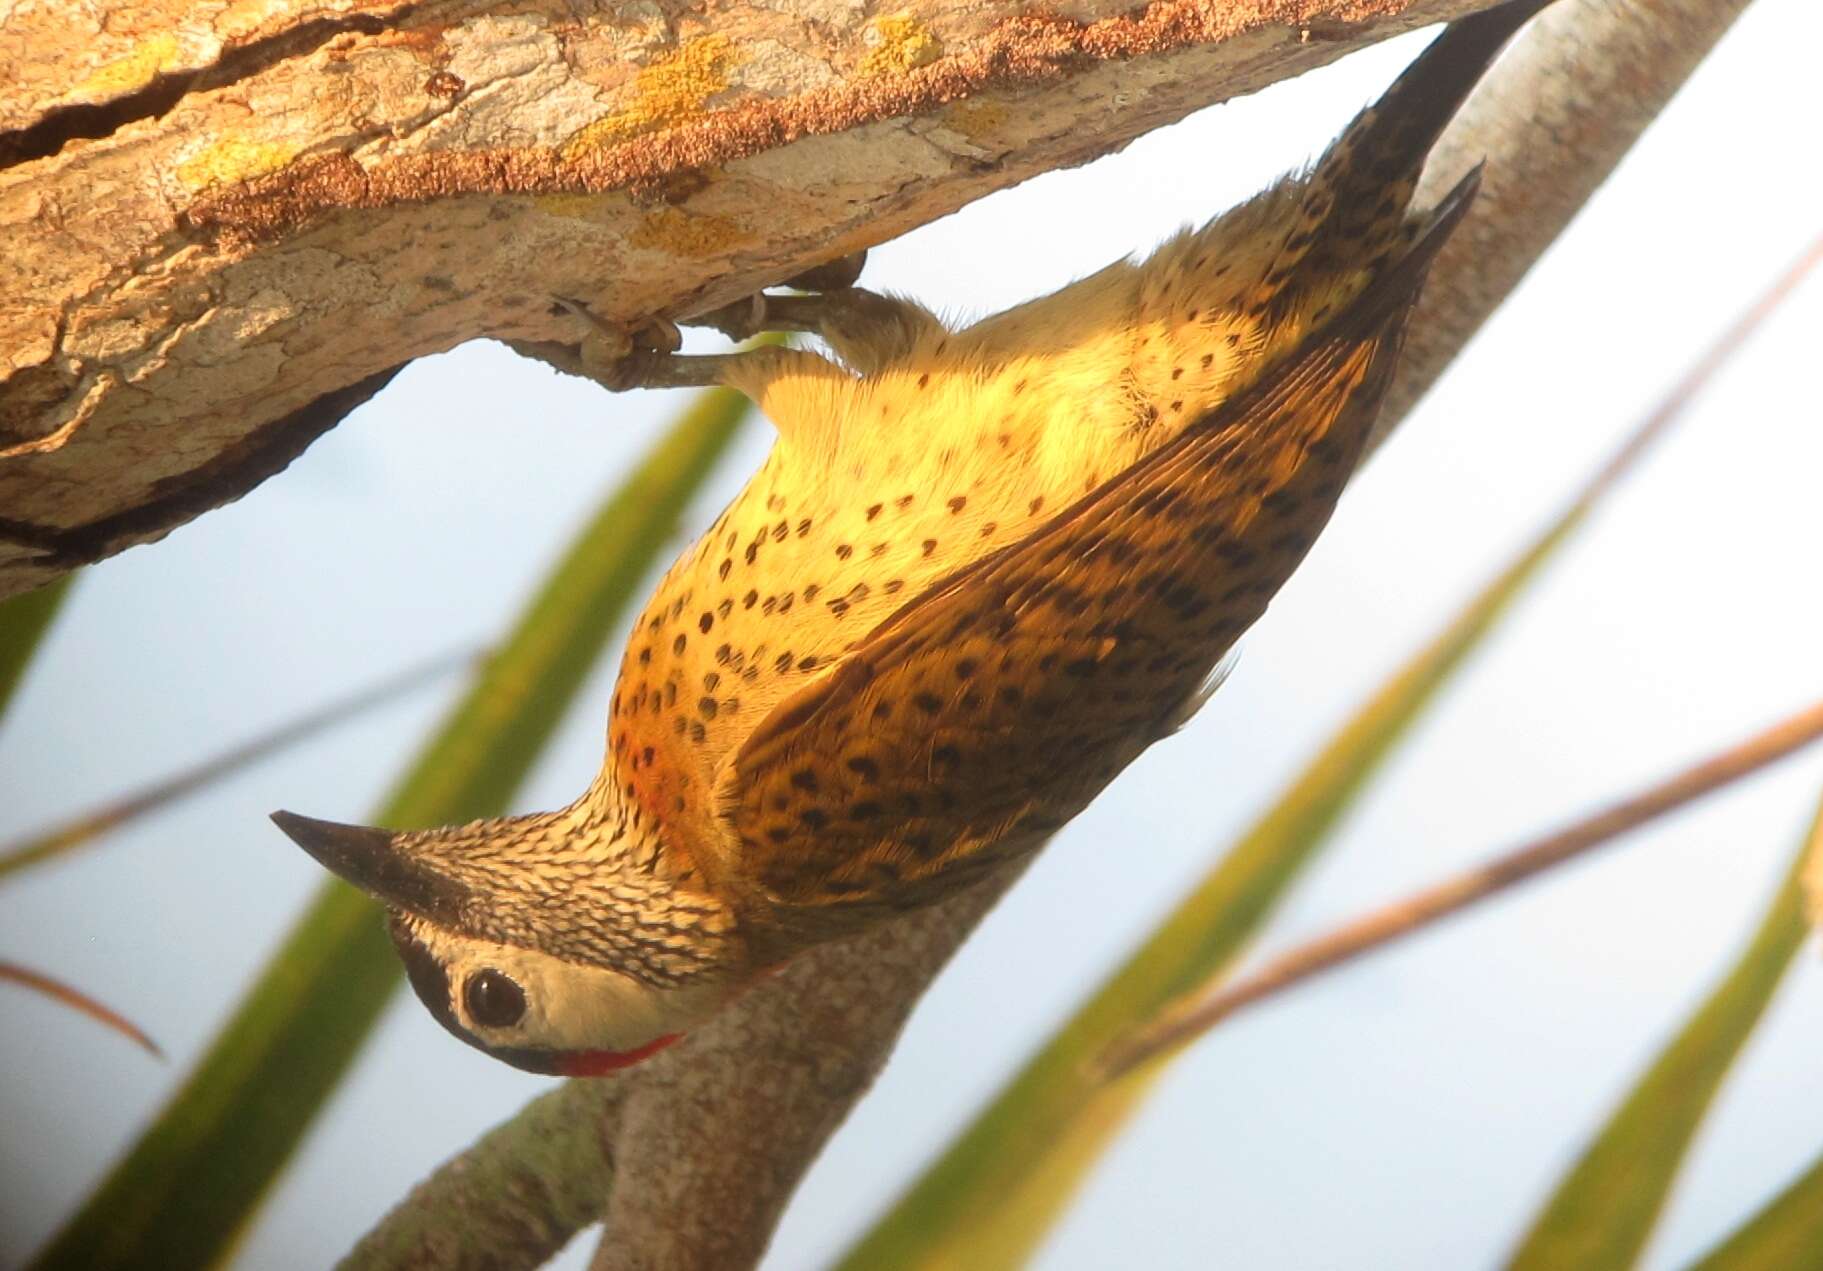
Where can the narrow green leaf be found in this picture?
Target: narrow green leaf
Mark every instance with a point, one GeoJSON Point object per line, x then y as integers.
{"type": "Point", "coordinates": [1787, 1234]}
{"type": "Point", "coordinates": [90, 826]}
{"type": "Point", "coordinates": [189, 1185]}
{"type": "Point", "coordinates": [997, 1189]}
{"type": "Point", "coordinates": [23, 621]}
{"type": "Point", "coordinates": [1605, 1208]}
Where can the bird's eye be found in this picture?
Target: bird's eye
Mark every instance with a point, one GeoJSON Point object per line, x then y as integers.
{"type": "Point", "coordinates": [493, 1000]}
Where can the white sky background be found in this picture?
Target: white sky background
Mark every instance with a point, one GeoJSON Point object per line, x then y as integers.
{"type": "Point", "coordinates": [1409, 1112]}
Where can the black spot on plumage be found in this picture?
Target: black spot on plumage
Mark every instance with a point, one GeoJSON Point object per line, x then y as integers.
{"type": "Point", "coordinates": [803, 527]}
{"type": "Point", "coordinates": [705, 622]}
{"type": "Point", "coordinates": [677, 646]}
{"type": "Point", "coordinates": [874, 511]}
{"type": "Point", "coordinates": [750, 599]}
{"type": "Point", "coordinates": [722, 569]}
{"type": "Point", "coordinates": [753, 552]}
{"type": "Point", "coordinates": [958, 503]}
{"type": "Point", "coordinates": [1283, 499]}
{"type": "Point", "coordinates": [814, 818]}
{"type": "Point", "coordinates": [930, 545]}
{"type": "Point", "coordinates": [844, 551]}
{"type": "Point", "coordinates": [929, 703]}
{"type": "Point", "coordinates": [864, 768]}
{"type": "Point", "coordinates": [805, 779]}
{"type": "Point", "coordinates": [808, 662]}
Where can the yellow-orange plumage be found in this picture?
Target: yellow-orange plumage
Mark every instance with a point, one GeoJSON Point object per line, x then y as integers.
{"type": "Point", "coordinates": [980, 572]}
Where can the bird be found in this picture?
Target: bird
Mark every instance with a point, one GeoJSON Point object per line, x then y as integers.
{"type": "Point", "coordinates": [980, 572]}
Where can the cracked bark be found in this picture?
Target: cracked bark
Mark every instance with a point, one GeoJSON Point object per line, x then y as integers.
{"type": "Point", "coordinates": [221, 226]}
{"type": "Point", "coordinates": [706, 1142]}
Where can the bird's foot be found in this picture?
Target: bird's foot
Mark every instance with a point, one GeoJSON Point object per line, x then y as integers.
{"type": "Point", "coordinates": [619, 357]}
{"type": "Point", "coordinates": [830, 296]}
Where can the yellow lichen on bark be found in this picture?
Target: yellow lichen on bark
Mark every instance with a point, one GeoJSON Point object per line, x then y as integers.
{"type": "Point", "coordinates": [667, 92]}
{"type": "Point", "coordinates": [903, 44]}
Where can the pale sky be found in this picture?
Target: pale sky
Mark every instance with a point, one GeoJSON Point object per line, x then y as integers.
{"type": "Point", "coordinates": [1409, 1112]}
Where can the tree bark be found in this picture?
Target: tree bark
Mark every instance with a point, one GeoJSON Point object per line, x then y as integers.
{"type": "Point", "coordinates": [223, 227]}
{"type": "Point", "coordinates": [708, 1140]}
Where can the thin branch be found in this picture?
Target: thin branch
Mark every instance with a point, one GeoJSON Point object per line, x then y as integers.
{"type": "Point", "coordinates": [1177, 1028]}
{"type": "Point", "coordinates": [58, 991]}
{"type": "Point", "coordinates": [1673, 404]}
{"type": "Point", "coordinates": [89, 826]}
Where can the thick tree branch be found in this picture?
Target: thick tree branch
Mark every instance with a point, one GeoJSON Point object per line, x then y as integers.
{"type": "Point", "coordinates": [522, 1192]}
{"type": "Point", "coordinates": [712, 1137]}
{"type": "Point", "coordinates": [219, 225]}
{"type": "Point", "coordinates": [1585, 81]}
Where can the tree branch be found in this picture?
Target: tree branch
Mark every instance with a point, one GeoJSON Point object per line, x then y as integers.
{"type": "Point", "coordinates": [519, 1195]}
{"type": "Point", "coordinates": [1565, 105]}
{"type": "Point", "coordinates": [220, 227]}
{"type": "Point", "coordinates": [714, 1134]}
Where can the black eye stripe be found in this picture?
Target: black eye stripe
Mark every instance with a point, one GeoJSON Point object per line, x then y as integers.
{"type": "Point", "coordinates": [428, 979]}
{"type": "Point", "coordinates": [493, 999]}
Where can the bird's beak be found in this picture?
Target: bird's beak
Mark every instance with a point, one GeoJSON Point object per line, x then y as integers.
{"type": "Point", "coordinates": [370, 859]}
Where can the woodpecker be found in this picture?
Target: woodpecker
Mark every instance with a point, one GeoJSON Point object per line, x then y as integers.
{"type": "Point", "coordinates": [980, 572]}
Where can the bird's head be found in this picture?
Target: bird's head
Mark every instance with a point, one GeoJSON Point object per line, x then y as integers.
{"type": "Point", "coordinates": [506, 963]}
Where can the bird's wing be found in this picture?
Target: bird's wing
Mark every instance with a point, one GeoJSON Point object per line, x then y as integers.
{"type": "Point", "coordinates": [992, 707]}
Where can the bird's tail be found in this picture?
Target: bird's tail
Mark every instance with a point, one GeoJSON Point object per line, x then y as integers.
{"type": "Point", "coordinates": [1354, 214]}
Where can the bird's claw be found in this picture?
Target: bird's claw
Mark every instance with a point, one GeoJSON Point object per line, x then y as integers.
{"type": "Point", "coordinates": [619, 356]}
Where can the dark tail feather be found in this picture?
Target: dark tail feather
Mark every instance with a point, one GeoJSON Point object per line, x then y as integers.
{"type": "Point", "coordinates": [1391, 139]}
{"type": "Point", "coordinates": [1354, 214]}
{"type": "Point", "coordinates": [1400, 283]}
